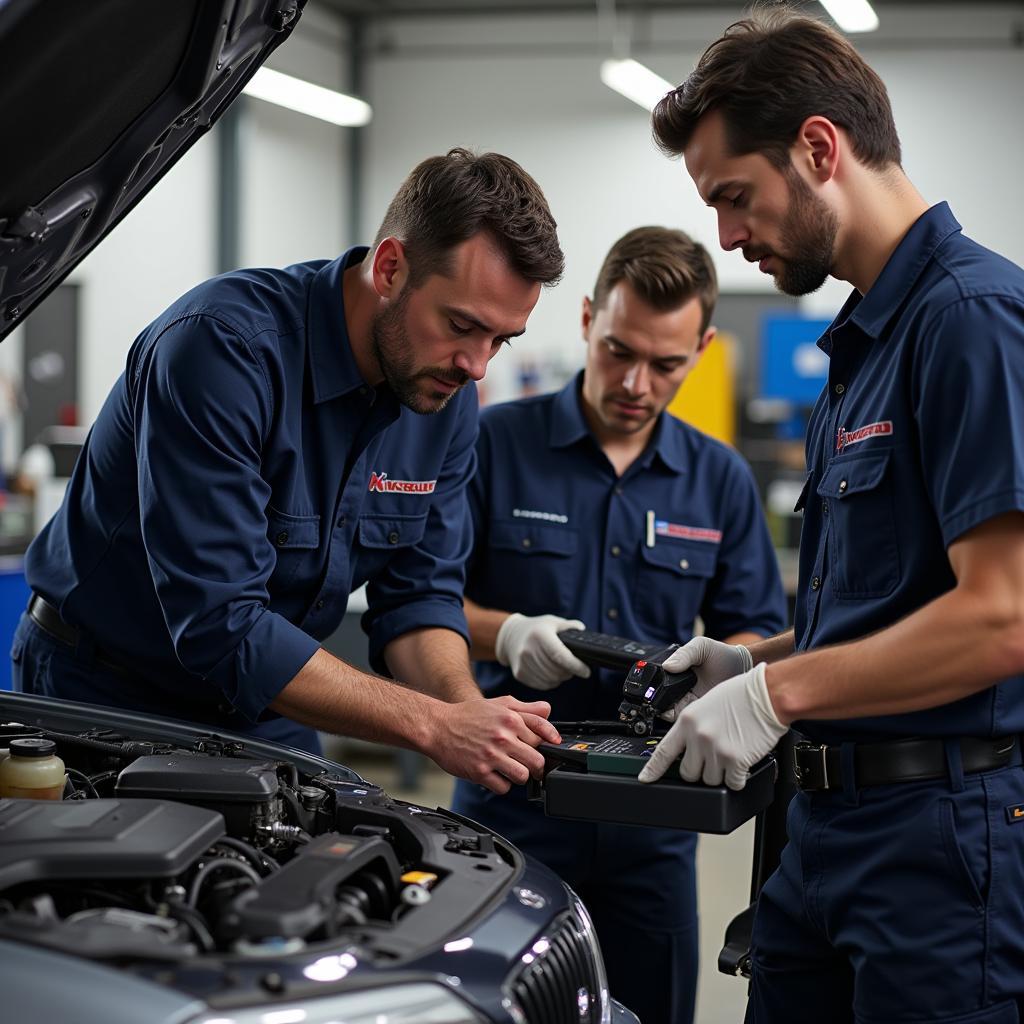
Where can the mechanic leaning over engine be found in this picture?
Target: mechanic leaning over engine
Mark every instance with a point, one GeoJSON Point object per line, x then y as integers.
{"type": "Point", "coordinates": [278, 438]}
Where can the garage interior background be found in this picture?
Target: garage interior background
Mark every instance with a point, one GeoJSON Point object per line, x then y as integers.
{"type": "Point", "coordinates": [270, 187]}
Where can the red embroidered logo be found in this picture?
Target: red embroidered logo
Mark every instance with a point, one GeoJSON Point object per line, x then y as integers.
{"type": "Point", "coordinates": [663, 528]}
{"type": "Point", "coordinates": [845, 437]}
{"type": "Point", "coordinates": [380, 482]}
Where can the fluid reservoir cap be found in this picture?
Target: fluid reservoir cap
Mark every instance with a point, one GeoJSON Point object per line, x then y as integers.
{"type": "Point", "coordinates": [32, 747]}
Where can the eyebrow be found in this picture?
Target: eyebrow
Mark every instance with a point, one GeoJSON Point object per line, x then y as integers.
{"type": "Point", "coordinates": [461, 314]}
{"type": "Point", "coordinates": [682, 358]}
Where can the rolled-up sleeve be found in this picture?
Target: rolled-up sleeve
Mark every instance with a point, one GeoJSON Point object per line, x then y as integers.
{"type": "Point", "coordinates": [422, 585]}
{"type": "Point", "coordinates": [199, 438]}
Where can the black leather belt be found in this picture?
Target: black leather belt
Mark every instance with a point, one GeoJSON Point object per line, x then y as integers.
{"type": "Point", "coordinates": [911, 760]}
{"type": "Point", "coordinates": [47, 618]}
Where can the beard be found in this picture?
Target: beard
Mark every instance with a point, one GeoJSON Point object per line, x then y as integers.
{"type": "Point", "coordinates": [810, 229]}
{"type": "Point", "coordinates": [393, 350]}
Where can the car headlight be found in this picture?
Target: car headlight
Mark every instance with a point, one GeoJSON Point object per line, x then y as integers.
{"type": "Point", "coordinates": [417, 1003]}
{"type": "Point", "coordinates": [590, 934]}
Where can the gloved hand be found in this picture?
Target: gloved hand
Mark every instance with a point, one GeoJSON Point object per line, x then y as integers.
{"type": "Point", "coordinates": [712, 661]}
{"type": "Point", "coordinates": [529, 645]}
{"type": "Point", "coordinates": [722, 735]}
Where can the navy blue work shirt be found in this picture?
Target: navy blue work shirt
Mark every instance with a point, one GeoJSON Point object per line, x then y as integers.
{"type": "Point", "coordinates": [917, 437]}
{"type": "Point", "coordinates": [556, 531]}
{"type": "Point", "coordinates": [241, 479]}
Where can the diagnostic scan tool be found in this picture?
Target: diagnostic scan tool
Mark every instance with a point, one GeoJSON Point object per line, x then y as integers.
{"type": "Point", "coordinates": [592, 774]}
{"type": "Point", "coordinates": [648, 689]}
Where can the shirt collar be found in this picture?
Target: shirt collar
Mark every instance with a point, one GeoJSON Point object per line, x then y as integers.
{"type": "Point", "coordinates": [333, 366]}
{"type": "Point", "coordinates": [915, 251]}
{"type": "Point", "coordinates": [569, 425]}
{"type": "Point", "coordinates": [668, 445]}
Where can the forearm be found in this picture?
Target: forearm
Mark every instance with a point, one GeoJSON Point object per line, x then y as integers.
{"type": "Point", "coordinates": [333, 696]}
{"type": "Point", "coordinates": [774, 648]}
{"type": "Point", "coordinates": [433, 661]}
{"type": "Point", "coordinates": [952, 647]}
{"type": "Point", "coordinates": [484, 624]}
{"type": "Point", "coordinates": [745, 638]}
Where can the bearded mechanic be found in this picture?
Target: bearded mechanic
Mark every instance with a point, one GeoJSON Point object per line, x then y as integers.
{"type": "Point", "coordinates": [278, 438]}
{"type": "Point", "coordinates": [900, 896]}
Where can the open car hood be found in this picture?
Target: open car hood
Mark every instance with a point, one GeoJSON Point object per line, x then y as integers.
{"type": "Point", "coordinates": [98, 100]}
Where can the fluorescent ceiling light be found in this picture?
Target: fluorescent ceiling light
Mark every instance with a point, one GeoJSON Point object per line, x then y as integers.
{"type": "Point", "coordinates": [852, 15]}
{"type": "Point", "coordinates": [307, 98]}
{"type": "Point", "coordinates": [636, 82]}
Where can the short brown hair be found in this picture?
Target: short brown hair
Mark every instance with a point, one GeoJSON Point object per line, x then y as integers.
{"type": "Point", "coordinates": [767, 74]}
{"type": "Point", "coordinates": [446, 200]}
{"type": "Point", "coordinates": [666, 268]}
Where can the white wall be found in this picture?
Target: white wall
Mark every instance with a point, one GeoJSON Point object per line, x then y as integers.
{"type": "Point", "coordinates": [163, 248]}
{"type": "Point", "coordinates": [292, 184]}
{"type": "Point", "coordinates": [295, 175]}
{"type": "Point", "coordinates": [529, 87]}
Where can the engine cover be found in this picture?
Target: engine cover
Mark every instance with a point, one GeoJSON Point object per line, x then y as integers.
{"type": "Point", "coordinates": [42, 840]}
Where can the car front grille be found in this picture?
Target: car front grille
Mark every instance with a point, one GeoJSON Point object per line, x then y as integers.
{"type": "Point", "coordinates": [559, 982]}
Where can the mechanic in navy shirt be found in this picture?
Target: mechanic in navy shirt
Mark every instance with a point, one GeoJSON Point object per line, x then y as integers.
{"type": "Point", "coordinates": [595, 504]}
{"type": "Point", "coordinates": [278, 438]}
{"type": "Point", "coordinates": [900, 896]}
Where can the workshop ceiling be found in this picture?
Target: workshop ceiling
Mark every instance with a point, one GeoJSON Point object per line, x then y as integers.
{"type": "Point", "coordinates": [383, 9]}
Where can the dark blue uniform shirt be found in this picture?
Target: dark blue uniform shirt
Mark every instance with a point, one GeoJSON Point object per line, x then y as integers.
{"type": "Point", "coordinates": [917, 438]}
{"type": "Point", "coordinates": [556, 531]}
{"type": "Point", "coordinates": [241, 479]}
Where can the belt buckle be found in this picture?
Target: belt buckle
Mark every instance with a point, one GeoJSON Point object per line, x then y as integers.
{"type": "Point", "coordinates": [812, 770]}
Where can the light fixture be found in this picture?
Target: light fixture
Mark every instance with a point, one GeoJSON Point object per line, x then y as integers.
{"type": "Point", "coordinates": [307, 98]}
{"type": "Point", "coordinates": [852, 15]}
{"type": "Point", "coordinates": [635, 81]}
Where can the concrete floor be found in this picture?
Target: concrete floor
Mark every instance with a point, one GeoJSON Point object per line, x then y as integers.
{"type": "Point", "coordinates": [723, 873]}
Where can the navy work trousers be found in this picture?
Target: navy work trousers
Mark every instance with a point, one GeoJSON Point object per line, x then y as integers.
{"type": "Point", "coordinates": [638, 884]}
{"type": "Point", "coordinates": [894, 904]}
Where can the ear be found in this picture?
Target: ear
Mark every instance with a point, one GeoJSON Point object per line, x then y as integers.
{"type": "Point", "coordinates": [588, 316]}
{"type": "Point", "coordinates": [706, 338]}
{"type": "Point", "coordinates": [390, 269]}
{"type": "Point", "coordinates": [817, 148]}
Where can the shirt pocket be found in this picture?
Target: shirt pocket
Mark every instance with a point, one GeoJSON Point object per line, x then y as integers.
{"type": "Point", "coordinates": [295, 540]}
{"type": "Point", "coordinates": [672, 578]}
{"type": "Point", "coordinates": [863, 550]}
{"type": "Point", "coordinates": [531, 567]}
{"type": "Point", "coordinates": [390, 532]}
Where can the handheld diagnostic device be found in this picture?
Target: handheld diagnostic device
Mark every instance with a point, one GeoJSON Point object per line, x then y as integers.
{"type": "Point", "coordinates": [648, 689]}
{"type": "Point", "coordinates": [592, 774]}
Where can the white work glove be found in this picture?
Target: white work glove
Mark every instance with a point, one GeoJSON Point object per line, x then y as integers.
{"type": "Point", "coordinates": [722, 735]}
{"type": "Point", "coordinates": [529, 645]}
{"type": "Point", "coordinates": [713, 662]}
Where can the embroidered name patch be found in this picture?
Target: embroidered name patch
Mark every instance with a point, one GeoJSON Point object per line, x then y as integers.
{"type": "Point", "coordinates": [663, 528]}
{"type": "Point", "coordinates": [847, 437]}
{"type": "Point", "coordinates": [548, 517]}
{"type": "Point", "coordinates": [380, 482]}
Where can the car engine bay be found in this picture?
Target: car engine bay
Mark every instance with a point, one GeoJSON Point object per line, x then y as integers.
{"type": "Point", "coordinates": [160, 853]}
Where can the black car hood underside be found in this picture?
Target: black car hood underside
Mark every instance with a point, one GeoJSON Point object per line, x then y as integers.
{"type": "Point", "coordinates": [98, 100]}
